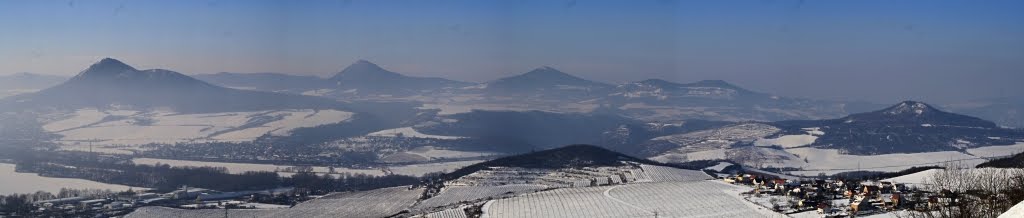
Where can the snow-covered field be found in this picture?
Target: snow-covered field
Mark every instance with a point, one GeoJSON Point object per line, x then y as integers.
{"type": "Point", "coordinates": [814, 161]}
{"type": "Point", "coordinates": [238, 168]}
{"type": "Point", "coordinates": [719, 167]}
{"type": "Point", "coordinates": [420, 169]}
{"type": "Point", "coordinates": [318, 92]}
{"type": "Point", "coordinates": [125, 127]}
{"type": "Point", "coordinates": [914, 178]}
{"type": "Point", "coordinates": [431, 152]}
{"type": "Point", "coordinates": [717, 144]}
{"type": "Point", "coordinates": [787, 141]}
{"type": "Point", "coordinates": [830, 161]}
{"type": "Point", "coordinates": [711, 144]}
{"type": "Point", "coordinates": [792, 141]}
{"type": "Point", "coordinates": [997, 151]}
{"type": "Point", "coordinates": [665, 199]}
{"type": "Point", "coordinates": [15, 182]}
{"type": "Point", "coordinates": [924, 177]}
{"type": "Point", "coordinates": [408, 132]}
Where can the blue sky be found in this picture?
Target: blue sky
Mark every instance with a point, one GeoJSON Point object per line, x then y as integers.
{"type": "Point", "coordinates": [941, 50]}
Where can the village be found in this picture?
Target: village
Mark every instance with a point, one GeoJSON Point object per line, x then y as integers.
{"type": "Point", "coordinates": [807, 197]}
{"type": "Point", "coordinates": [122, 203]}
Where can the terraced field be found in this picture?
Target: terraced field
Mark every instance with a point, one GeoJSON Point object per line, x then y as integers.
{"type": "Point", "coordinates": [633, 190]}
{"type": "Point", "coordinates": [456, 194]}
{"type": "Point", "coordinates": [583, 177]}
{"type": "Point", "coordinates": [660, 199]}
{"type": "Point", "coordinates": [566, 202]}
{"type": "Point", "coordinates": [146, 212]}
{"type": "Point", "coordinates": [654, 173]}
{"type": "Point", "coordinates": [449, 213]}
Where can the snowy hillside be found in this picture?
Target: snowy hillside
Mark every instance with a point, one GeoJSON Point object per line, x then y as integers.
{"type": "Point", "coordinates": [899, 137]}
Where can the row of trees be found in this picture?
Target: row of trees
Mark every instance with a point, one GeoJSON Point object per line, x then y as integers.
{"type": "Point", "coordinates": [974, 192]}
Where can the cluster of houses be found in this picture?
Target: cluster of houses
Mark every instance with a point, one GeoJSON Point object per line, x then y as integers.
{"type": "Point", "coordinates": [126, 201]}
{"type": "Point", "coordinates": [838, 197]}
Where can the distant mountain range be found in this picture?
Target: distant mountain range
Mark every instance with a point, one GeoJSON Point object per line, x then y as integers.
{"type": "Point", "coordinates": [544, 88]}
{"type": "Point", "coordinates": [656, 99]}
{"type": "Point", "coordinates": [554, 90]}
{"type": "Point", "coordinates": [112, 83]}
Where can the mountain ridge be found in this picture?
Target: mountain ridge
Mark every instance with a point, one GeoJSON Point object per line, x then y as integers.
{"type": "Point", "coordinates": [110, 82]}
{"type": "Point", "coordinates": [366, 78]}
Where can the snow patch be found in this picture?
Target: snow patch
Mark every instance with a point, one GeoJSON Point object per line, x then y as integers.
{"type": "Point", "coordinates": [409, 132]}
{"type": "Point", "coordinates": [815, 131]}
{"type": "Point", "coordinates": [719, 167]}
{"type": "Point", "coordinates": [787, 141]}
{"type": "Point", "coordinates": [318, 92]}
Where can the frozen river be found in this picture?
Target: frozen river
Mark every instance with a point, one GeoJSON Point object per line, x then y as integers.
{"type": "Point", "coordinates": [15, 182]}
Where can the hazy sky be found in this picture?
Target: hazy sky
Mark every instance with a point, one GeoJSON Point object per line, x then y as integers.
{"type": "Point", "coordinates": [882, 51]}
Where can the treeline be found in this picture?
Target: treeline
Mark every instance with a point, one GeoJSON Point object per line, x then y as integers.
{"type": "Point", "coordinates": [1015, 161]}
{"type": "Point", "coordinates": [311, 183]}
{"type": "Point", "coordinates": [877, 175]}
{"type": "Point", "coordinates": [162, 177]}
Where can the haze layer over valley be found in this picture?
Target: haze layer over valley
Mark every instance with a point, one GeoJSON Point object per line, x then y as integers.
{"type": "Point", "coordinates": [492, 109]}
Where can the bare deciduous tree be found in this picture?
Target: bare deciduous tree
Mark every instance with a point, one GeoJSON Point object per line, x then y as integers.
{"type": "Point", "coordinates": [967, 192]}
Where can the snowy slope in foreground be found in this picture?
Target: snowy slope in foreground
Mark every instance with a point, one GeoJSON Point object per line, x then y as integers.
{"type": "Point", "coordinates": [1015, 211]}
{"type": "Point", "coordinates": [668, 199]}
